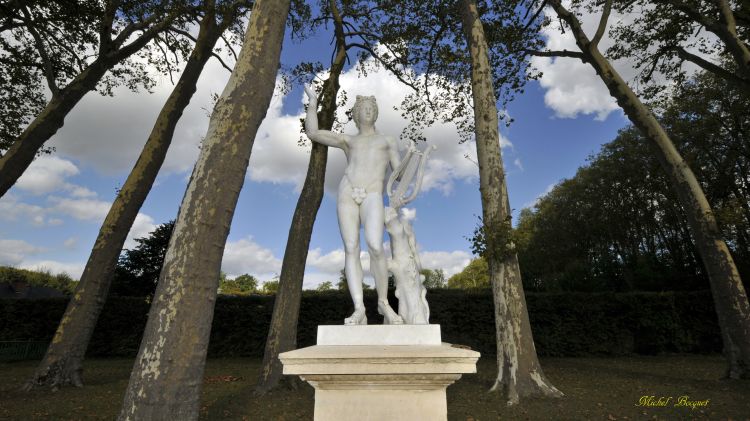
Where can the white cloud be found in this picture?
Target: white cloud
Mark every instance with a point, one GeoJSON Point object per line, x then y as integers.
{"type": "Point", "coordinates": [572, 86]}
{"type": "Point", "coordinates": [312, 280]}
{"type": "Point", "coordinates": [12, 210]}
{"type": "Point", "coordinates": [111, 142]}
{"type": "Point", "coordinates": [247, 256]}
{"type": "Point", "coordinates": [451, 262]}
{"type": "Point", "coordinates": [278, 158]}
{"type": "Point", "coordinates": [326, 267]}
{"type": "Point", "coordinates": [331, 262]}
{"type": "Point", "coordinates": [74, 269]}
{"type": "Point", "coordinates": [70, 243]}
{"type": "Point", "coordinates": [95, 210]}
{"type": "Point", "coordinates": [142, 226]}
{"type": "Point", "coordinates": [46, 174]}
{"type": "Point", "coordinates": [13, 252]}
{"type": "Point", "coordinates": [80, 191]}
{"type": "Point", "coordinates": [81, 209]}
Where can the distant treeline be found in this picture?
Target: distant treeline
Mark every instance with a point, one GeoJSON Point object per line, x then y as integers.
{"type": "Point", "coordinates": [564, 324]}
{"type": "Point", "coordinates": [61, 282]}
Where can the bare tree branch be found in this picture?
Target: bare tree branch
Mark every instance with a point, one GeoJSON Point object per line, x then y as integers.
{"type": "Point", "coordinates": [47, 67]}
{"type": "Point", "coordinates": [105, 26]}
{"type": "Point", "coordinates": [553, 53]}
{"type": "Point", "coordinates": [536, 15]}
{"type": "Point", "coordinates": [711, 67]}
{"type": "Point", "coordinates": [386, 64]}
{"type": "Point", "coordinates": [602, 23]}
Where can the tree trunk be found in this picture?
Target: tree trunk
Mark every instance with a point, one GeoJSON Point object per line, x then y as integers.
{"type": "Point", "coordinates": [62, 364]}
{"type": "Point", "coordinates": [727, 31]}
{"type": "Point", "coordinates": [22, 152]}
{"type": "Point", "coordinates": [727, 289]}
{"type": "Point", "coordinates": [282, 333]}
{"type": "Point", "coordinates": [519, 372]}
{"type": "Point", "coordinates": [166, 380]}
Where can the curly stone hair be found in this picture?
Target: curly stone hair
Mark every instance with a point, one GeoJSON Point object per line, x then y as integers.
{"type": "Point", "coordinates": [361, 100]}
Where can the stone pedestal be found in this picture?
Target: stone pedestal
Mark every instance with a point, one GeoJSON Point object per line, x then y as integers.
{"type": "Point", "coordinates": [379, 376]}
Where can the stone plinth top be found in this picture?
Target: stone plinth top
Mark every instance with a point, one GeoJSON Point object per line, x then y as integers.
{"type": "Point", "coordinates": [379, 335]}
{"type": "Point", "coordinates": [379, 359]}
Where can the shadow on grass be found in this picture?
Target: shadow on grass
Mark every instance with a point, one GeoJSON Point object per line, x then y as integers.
{"type": "Point", "coordinates": [595, 388]}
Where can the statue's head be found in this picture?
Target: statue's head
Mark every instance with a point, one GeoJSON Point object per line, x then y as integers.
{"type": "Point", "coordinates": [365, 110]}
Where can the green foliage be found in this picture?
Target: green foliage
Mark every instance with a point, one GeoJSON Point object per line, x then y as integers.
{"type": "Point", "coordinates": [618, 226]}
{"type": "Point", "coordinates": [433, 278]}
{"type": "Point", "coordinates": [270, 287]}
{"type": "Point", "coordinates": [325, 286]}
{"type": "Point", "coordinates": [661, 39]}
{"type": "Point", "coordinates": [241, 285]}
{"type": "Point", "coordinates": [475, 275]}
{"type": "Point", "coordinates": [138, 269]}
{"type": "Point", "coordinates": [564, 324]}
{"type": "Point", "coordinates": [496, 242]}
{"type": "Point", "coordinates": [61, 282]}
{"type": "Point", "coordinates": [45, 45]}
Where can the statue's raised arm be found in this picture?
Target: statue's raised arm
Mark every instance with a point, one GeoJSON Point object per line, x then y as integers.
{"type": "Point", "coordinates": [326, 137]}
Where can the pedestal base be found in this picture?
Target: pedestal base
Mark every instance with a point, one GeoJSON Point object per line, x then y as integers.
{"type": "Point", "coordinates": [380, 382]}
{"type": "Point", "coordinates": [372, 397]}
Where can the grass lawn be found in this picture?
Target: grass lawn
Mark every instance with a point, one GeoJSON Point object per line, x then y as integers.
{"type": "Point", "coordinates": [595, 389]}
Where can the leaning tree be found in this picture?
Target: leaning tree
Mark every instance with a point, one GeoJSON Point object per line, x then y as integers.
{"type": "Point", "coordinates": [168, 373]}
{"type": "Point", "coordinates": [730, 298]}
{"type": "Point", "coordinates": [73, 48]}
{"type": "Point", "coordinates": [63, 362]}
{"type": "Point", "coordinates": [519, 372]}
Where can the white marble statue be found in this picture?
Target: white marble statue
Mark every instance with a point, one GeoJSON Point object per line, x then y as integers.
{"type": "Point", "coordinates": [405, 264]}
{"type": "Point", "coordinates": [360, 198]}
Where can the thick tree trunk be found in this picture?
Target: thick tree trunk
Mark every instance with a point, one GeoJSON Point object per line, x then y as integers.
{"type": "Point", "coordinates": [62, 364]}
{"type": "Point", "coordinates": [168, 373]}
{"type": "Point", "coordinates": [730, 298]}
{"type": "Point", "coordinates": [519, 372]}
{"type": "Point", "coordinates": [22, 152]}
{"type": "Point", "coordinates": [282, 333]}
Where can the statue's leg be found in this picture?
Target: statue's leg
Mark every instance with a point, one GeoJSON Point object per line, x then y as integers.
{"type": "Point", "coordinates": [348, 216]}
{"type": "Point", "coordinates": [373, 219]}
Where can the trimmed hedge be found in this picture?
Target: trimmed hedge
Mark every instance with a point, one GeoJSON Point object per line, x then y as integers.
{"type": "Point", "coordinates": [564, 324]}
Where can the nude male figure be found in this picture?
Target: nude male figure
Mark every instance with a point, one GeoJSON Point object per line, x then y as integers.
{"type": "Point", "coordinates": [360, 198]}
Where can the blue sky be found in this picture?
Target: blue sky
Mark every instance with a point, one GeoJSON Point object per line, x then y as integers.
{"type": "Point", "coordinates": [51, 217]}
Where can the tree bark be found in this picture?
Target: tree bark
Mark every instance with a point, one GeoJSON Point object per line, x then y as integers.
{"type": "Point", "coordinates": [730, 298]}
{"type": "Point", "coordinates": [62, 364]}
{"type": "Point", "coordinates": [519, 372]}
{"type": "Point", "coordinates": [282, 333]}
{"type": "Point", "coordinates": [22, 152]}
{"type": "Point", "coordinates": [166, 380]}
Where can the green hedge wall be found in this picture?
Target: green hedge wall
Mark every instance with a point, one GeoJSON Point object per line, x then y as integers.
{"type": "Point", "coordinates": [564, 324]}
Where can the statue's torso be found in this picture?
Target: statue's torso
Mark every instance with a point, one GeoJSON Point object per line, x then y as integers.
{"type": "Point", "coordinates": [367, 161]}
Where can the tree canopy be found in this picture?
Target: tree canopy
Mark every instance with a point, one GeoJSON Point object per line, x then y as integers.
{"type": "Point", "coordinates": [138, 269]}
{"type": "Point", "coordinates": [617, 224]}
